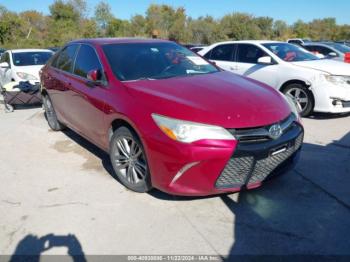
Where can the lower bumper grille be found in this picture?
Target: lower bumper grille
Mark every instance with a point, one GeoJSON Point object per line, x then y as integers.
{"type": "Point", "coordinates": [346, 103]}
{"type": "Point", "coordinates": [245, 170]}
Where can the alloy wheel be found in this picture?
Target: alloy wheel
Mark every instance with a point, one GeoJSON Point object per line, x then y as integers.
{"type": "Point", "coordinates": [299, 97]}
{"type": "Point", "coordinates": [130, 160]}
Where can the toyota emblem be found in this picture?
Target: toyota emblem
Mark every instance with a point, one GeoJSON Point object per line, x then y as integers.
{"type": "Point", "coordinates": [275, 131]}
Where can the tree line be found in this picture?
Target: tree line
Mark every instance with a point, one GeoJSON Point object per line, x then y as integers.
{"type": "Point", "coordinates": [68, 19]}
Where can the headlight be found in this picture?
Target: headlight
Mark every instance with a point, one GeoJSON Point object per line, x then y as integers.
{"type": "Point", "coordinates": [292, 105]}
{"type": "Point", "coordinates": [338, 80]}
{"type": "Point", "coordinates": [187, 132]}
{"type": "Point", "coordinates": [26, 76]}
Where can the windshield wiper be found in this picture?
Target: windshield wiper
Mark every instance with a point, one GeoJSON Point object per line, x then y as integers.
{"type": "Point", "coordinates": [139, 79]}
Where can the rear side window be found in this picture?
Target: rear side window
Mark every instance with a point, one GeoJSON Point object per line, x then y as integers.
{"type": "Point", "coordinates": [86, 60]}
{"type": "Point", "coordinates": [65, 59]}
{"type": "Point", "coordinates": [319, 49]}
{"type": "Point", "coordinates": [222, 52]}
{"type": "Point", "coordinates": [249, 53]}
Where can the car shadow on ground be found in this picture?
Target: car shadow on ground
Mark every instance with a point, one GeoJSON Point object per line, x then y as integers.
{"type": "Point", "coordinates": [31, 247]}
{"type": "Point", "coordinates": [297, 213]}
{"type": "Point", "coordinates": [325, 116]}
{"type": "Point", "coordinates": [294, 215]}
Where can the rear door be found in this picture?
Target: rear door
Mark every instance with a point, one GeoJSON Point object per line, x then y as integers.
{"type": "Point", "coordinates": [57, 82]}
{"type": "Point", "coordinates": [223, 55]}
{"type": "Point", "coordinates": [247, 56]}
{"type": "Point", "coordinates": [87, 100]}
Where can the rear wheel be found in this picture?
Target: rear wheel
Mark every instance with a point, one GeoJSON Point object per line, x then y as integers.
{"type": "Point", "coordinates": [129, 160]}
{"type": "Point", "coordinates": [50, 114]}
{"type": "Point", "coordinates": [302, 98]}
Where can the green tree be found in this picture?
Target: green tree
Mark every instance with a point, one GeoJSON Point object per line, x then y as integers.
{"type": "Point", "coordinates": [103, 15]}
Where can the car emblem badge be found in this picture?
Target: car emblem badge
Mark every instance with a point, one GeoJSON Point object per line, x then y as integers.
{"type": "Point", "coordinates": [275, 131]}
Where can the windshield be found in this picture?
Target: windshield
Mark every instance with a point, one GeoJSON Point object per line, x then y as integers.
{"type": "Point", "coordinates": [135, 61]}
{"type": "Point", "coordinates": [340, 47]}
{"type": "Point", "coordinates": [290, 53]}
{"type": "Point", "coordinates": [30, 58]}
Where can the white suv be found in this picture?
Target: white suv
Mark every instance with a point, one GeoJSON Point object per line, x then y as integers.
{"type": "Point", "coordinates": [22, 65]}
{"type": "Point", "coordinates": [314, 84]}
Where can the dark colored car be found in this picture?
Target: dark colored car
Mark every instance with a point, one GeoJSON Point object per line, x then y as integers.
{"type": "Point", "coordinates": [168, 118]}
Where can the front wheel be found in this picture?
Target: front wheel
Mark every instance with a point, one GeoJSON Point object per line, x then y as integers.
{"type": "Point", "coordinates": [129, 160]}
{"type": "Point", "coordinates": [302, 98]}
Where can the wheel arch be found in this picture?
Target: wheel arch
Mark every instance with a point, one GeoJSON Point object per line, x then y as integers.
{"type": "Point", "coordinates": [293, 81]}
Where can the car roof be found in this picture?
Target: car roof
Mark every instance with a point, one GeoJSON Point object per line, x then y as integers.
{"type": "Point", "coordinates": [29, 50]}
{"type": "Point", "coordinates": [119, 40]}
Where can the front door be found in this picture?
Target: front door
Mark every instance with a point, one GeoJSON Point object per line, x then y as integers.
{"type": "Point", "coordinates": [247, 65]}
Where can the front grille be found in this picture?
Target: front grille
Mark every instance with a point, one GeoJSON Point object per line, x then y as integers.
{"type": "Point", "coordinates": [246, 170]}
{"type": "Point", "coordinates": [261, 134]}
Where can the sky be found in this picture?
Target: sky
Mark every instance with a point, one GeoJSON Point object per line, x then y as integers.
{"type": "Point", "coordinates": [287, 10]}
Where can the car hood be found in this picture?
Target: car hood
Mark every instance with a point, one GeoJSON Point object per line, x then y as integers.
{"type": "Point", "coordinates": [332, 67]}
{"type": "Point", "coordinates": [32, 70]}
{"type": "Point", "coordinates": [222, 98]}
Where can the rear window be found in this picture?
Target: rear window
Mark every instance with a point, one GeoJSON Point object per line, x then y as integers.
{"type": "Point", "coordinates": [30, 58]}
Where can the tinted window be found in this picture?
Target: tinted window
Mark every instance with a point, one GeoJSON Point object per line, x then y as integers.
{"type": "Point", "coordinates": [66, 58]}
{"type": "Point", "coordinates": [223, 52]}
{"type": "Point", "coordinates": [319, 49]}
{"type": "Point", "coordinates": [30, 58]}
{"type": "Point", "coordinates": [340, 47]}
{"type": "Point", "coordinates": [86, 61]}
{"type": "Point", "coordinates": [289, 52]}
{"type": "Point", "coordinates": [5, 58]}
{"type": "Point", "coordinates": [249, 53]}
{"type": "Point", "coordinates": [154, 60]}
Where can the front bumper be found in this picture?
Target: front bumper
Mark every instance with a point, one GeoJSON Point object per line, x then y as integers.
{"type": "Point", "coordinates": [215, 167]}
{"type": "Point", "coordinates": [330, 98]}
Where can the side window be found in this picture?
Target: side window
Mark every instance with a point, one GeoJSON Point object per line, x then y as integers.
{"type": "Point", "coordinates": [249, 53]}
{"type": "Point", "coordinates": [86, 60]}
{"type": "Point", "coordinates": [223, 52]}
{"type": "Point", "coordinates": [5, 58]}
{"type": "Point", "coordinates": [65, 59]}
{"type": "Point", "coordinates": [324, 50]}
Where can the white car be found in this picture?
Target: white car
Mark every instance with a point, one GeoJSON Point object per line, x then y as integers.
{"type": "Point", "coordinates": [314, 84]}
{"type": "Point", "coordinates": [22, 65]}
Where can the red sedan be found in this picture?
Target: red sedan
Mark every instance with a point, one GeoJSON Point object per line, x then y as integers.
{"type": "Point", "coordinates": [168, 118]}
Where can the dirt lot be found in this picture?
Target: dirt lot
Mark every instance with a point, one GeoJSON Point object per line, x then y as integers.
{"type": "Point", "coordinates": [57, 188]}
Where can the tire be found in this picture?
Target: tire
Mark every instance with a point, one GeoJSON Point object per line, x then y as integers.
{"type": "Point", "coordinates": [302, 97]}
{"type": "Point", "coordinates": [50, 115]}
{"type": "Point", "coordinates": [129, 160]}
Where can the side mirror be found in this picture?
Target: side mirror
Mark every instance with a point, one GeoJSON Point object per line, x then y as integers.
{"type": "Point", "coordinates": [94, 77]}
{"type": "Point", "coordinates": [4, 65]}
{"type": "Point", "coordinates": [332, 54]}
{"type": "Point", "coordinates": [265, 60]}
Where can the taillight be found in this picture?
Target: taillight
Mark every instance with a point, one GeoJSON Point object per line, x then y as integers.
{"type": "Point", "coordinates": [347, 58]}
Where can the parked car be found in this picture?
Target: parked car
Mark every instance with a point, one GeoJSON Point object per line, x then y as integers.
{"type": "Point", "coordinates": [298, 41]}
{"type": "Point", "coordinates": [54, 49]}
{"type": "Point", "coordinates": [347, 43]}
{"type": "Point", "coordinates": [22, 65]}
{"type": "Point", "coordinates": [168, 118]}
{"type": "Point", "coordinates": [314, 84]}
{"type": "Point", "coordinates": [330, 50]}
{"type": "Point", "coordinates": [2, 50]}
{"type": "Point", "coordinates": [196, 49]}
